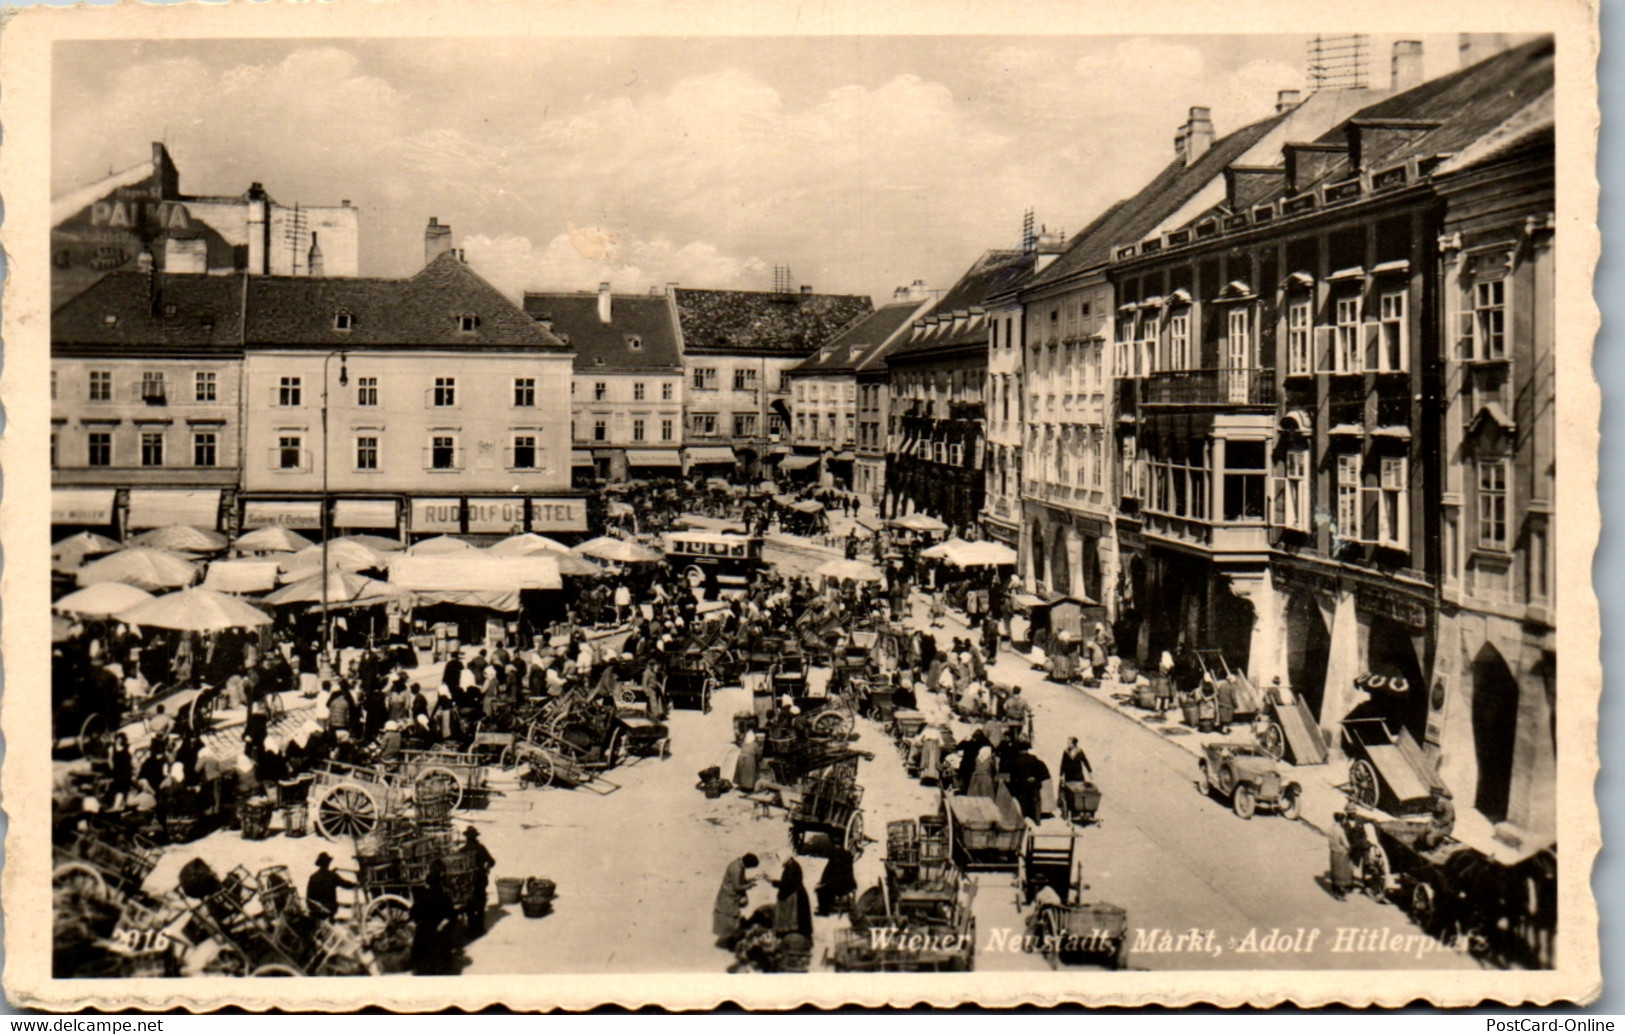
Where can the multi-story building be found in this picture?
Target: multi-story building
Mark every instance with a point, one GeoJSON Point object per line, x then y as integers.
{"type": "Point", "coordinates": [145, 414]}
{"type": "Point", "coordinates": [626, 398]}
{"type": "Point", "coordinates": [424, 406]}
{"type": "Point", "coordinates": [737, 347]}
{"type": "Point", "coordinates": [1367, 336]}
{"type": "Point", "coordinates": [1079, 482]}
{"type": "Point", "coordinates": [1497, 659]}
{"type": "Point", "coordinates": [827, 433]}
{"type": "Point", "coordinates": [937, 398]}
{"type": "Point", "coordinates": [139, 215]}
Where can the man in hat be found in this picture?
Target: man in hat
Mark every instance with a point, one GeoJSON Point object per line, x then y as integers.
{"type": "Point", "coordinates": [1441, 823]}
{"type": "Point", "coordinates": [474, 911]}
{"type": "Point", "coordinates": [322, 890]}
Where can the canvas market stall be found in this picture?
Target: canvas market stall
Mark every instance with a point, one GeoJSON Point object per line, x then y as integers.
{"type": "Point", "coordinates": [480, 595]}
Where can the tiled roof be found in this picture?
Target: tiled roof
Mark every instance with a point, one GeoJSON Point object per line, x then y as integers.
{"type": "Point", "coordinates": [604, 346]}
{"type": "Point", "coordinates": [1534, 126]}
{"type": "Point", "coordinates": [756, 322]}
{"type": "Point", "coordinates": [134, 309]}
{"type": "Point", "coordinates": [131, 308]}
{"type": "Point", "coordinates": [422, 310]}
{"type": "Point", "coordinates": [996, 272]}
{"type": "Point", "coordinates": [857, 344]}
{"type": "Point", "coordinates": [1133, 218]}
{"type": "Point", "coordinates": [1467, 106]}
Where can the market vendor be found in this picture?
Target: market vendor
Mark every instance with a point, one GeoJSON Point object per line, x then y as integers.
{"type": "Point", "coordinates": [474, 911]}
{"type": "Point", "coordinates": [322, 889]}
{"type": "Point", "coordinates": [1442, 821]}
{"type": "Point", "coordinates": [732, 896]}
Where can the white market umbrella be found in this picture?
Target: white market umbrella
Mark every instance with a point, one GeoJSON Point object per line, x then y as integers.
{"type": "Point", "coordinates": [920, 522]}
{"type": "Point", "coordinates": [272, 539]}
{"type": "Point", "coordinates": [150, 569]}
{"type": "Point", "coordinates": [376, 543]}
{"type": "Point", "coordinates": [182, 537]}
{"type": "Point", "coordinates": [342, 587]}
{"type": "Point", "coordinates": [849, 570]}
{"type": "Point", "coordinates": [984, 554]}
{"type": "Point", "coordinates": [619, 551]}
{"type": "Point", "coordinates": [526, 544]}
{"type": "Point", "coordinates": [104, 599]}
{"type": "Point", "coordinates": [349, 556]}
{"type": "Point", "coordinates": [195, 610]}
{"type": "Point", "coordinates": [440, 545]}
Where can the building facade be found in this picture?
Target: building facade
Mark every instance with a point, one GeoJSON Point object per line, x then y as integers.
{"type": "Point", "coordinates": [826, 431]}
{"type": "Point", "coordinates": [737, 348]}
{"type": "Point", "coordinates": [626, 395]}
{"type": "Point", "coordinates": [937, 401]}
{"type": "Point", "coordinates": [146, 418]}
{"type": "Point", "coordinates": [1350, 396]}
{"type": "Point", "coordinates": [425, 406]}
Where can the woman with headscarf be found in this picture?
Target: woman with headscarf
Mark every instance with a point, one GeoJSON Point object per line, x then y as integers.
{"type": "Point", "coordinates": [981, 780]}
{"type": "Point", "coordinates": [793, 914]}
{"type": "Point", "coordinates": [732, 896]}
{"type": "Point", "coordinates": [750, 757]}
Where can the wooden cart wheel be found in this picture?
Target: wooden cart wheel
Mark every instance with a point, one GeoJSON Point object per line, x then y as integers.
{"type": "Point", "coordinates": [1050, 931]}
{"type": "Point", "coordinates": [616, 753]}
{"type": "Point", "coordinates": [626, 695]}
{"type": "Point", "coordinates": [93, 735]}
{"type": "Point", "coordinates": [706, 689]}
{"type": "Point", "coordinates": [73, 880]}
{"type": "Point", "coordinates": [509, 757]}
{"type": "Point", "coordinates": [347, 810]}
{"type": "Point", "coordinates": [664, 744]}
{"type": "Point", "coordinates": [1374, 872]}
{"type": "Point", "coordinates": [1291, 803]}
{"type": "Point", "coordinates": [541, 769]}
{"type": "Point", "coordinates": [1204, 783]}
{"type": "Point", "coordinates": [1244, 800]}
{"type": "Point", "coordinates": [854, 834]}
{"type": "Point", "coordinates": [828, 724]}
{"type": "Point", "coordinates": [1425, 906]}
{"type": "Point", "coordinates": [1363, 783]}
{"type": "Point", "coordinates": [275, 969]}
{"type": "Point", "coordinates": [1272, 741]}
{"type": "Point", "coordinates": [385, 920]}
{"type": "Point", "coordinates": [437, 780]}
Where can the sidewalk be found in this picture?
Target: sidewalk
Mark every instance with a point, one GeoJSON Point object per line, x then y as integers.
{"type": "Point", "coordinates": [1322, 793]}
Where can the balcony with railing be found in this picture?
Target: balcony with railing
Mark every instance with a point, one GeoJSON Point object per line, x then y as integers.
{"type": "Point", "coordinates": [1229, 386]}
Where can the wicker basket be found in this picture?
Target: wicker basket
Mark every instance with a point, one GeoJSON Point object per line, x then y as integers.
{"type": "Point", "coordinates": [295, 820]}
{"type": "Point", "coordinates": [434, 809]}
{"type": "Point", "coordinates": [256, 818]}
{"type": "Point", "coordinates": [536, 908]}
{"type": "Point", "coordinates": [509, 890]}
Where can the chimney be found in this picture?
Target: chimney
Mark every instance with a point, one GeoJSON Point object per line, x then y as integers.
{"type": "Point", "coordinates": [1406, 65]}
{"type": "Point", "coordinates": [258, 231]}
{"type": "Point", "coordinates": [806, 288]}
{"type": "Point", "coordinates": [436, 240]}
{"type": "Point", "coordinates": [1286, 100]}
{"type": "Point", "coordinates": [899, 294]}
{"type": "Point", "coordinates": [1476, 46]}
{"type": "Point", "coordinates": [314, 265]}
{"type": "Point", "coordinates": [605, 303]}
{"type": "Point", "coordinates": [1199, 135]}
{"type": "Point", "coordinates": [671, 288]}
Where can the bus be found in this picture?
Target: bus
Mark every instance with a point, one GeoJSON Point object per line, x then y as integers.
{"type": "Point", "coordinates": [718, 560]}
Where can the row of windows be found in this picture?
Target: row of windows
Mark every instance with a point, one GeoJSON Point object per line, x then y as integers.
{"type": "Point", "coordinates": [829, 392]}
{"type": "Point", "coordinates": [745, 425]}
{"type": "Point", "coordinates": [704, 378]}
{"type": "Point", "coordinates": [153, 449]}
{"type": "Point", "coordinates": [640, 391]}
{"type": "Point", "coordinates": [443, 451]}
{"type": "Point", "coordinates": [152, 387]}
{"type": "Point", "coordinates": [809, 426]}
{"type": "Point", "coordinates": [290, 392]}
{"type": "Point", "coordinates": [640, 427]}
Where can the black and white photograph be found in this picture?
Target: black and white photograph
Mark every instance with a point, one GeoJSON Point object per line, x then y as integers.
{"type": "Point", "coordinates": [730, 507]}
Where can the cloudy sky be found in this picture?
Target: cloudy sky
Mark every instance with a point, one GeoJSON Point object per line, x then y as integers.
{"type": "Point", "coordinates": [860, 162]}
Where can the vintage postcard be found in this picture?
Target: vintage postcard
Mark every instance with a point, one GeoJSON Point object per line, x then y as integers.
{"type": "Point", "coordinates": [843, 504]}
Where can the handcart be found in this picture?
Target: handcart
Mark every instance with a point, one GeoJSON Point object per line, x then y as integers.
{"type": "Point", "coordinates": [1387, 770]}
{"type": "Point", "coordinates": [986, 834]}
{"type": "Point", "coordinates": [829, 812]}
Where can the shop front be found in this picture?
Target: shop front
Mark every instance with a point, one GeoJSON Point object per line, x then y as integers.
{"type": "Point", "coordinates": [159, 508]}
{"type": "Point", "coordinates": [300, 515]}
{"type": "Point", "coordinates": [83, 509]}
{"type": "Point", "coordinates": [653, 463]}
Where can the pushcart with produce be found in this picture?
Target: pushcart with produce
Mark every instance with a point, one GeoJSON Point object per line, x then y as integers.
{"type": "Point", "coordinates": [549, 759]}
{"type": "Point", "coordinates": [828, 812]}
{"type": "Point", "coordinates": [987, 834]}
{"type": "Point", "coordinates": [690, 681]}
{"type": "Point", "coordinates": [918, 920]}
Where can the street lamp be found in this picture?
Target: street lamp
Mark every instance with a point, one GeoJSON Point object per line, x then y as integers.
{"type": "Point", "coordinates": [326, 523]}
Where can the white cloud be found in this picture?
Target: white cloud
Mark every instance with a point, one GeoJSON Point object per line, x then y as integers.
{"type": "Point", "coordinates": [572, 262]}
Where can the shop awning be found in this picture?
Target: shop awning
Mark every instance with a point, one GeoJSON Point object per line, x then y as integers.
{"type": "Point", "coordinates": [277, 513]}
{"type": "Point", "coordinates": [476, 581]}
{"type": "Point", "coordinates": [158, 508]}
{"type": "Point", "coordinates": [365, 513]}
{"type": "Point", "coordinates": [798, 462]}
{"type": "Point", "coordinates": [81, 506]}
{"type": "Point", "coordinates": [845, 456]}
{"type": "Point", "coordinates": [580, 458]}
{"type": "Point", "coordinates": [240, 576]}
{"type": "Point", "coordinates": [711, 454]}
{"type": "Point", "coordinates": [653, 458]}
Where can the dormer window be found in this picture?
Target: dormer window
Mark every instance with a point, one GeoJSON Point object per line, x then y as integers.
{"type": "Point", "coordinates": [109, 320]}
{"type": "Point", "coordinates": [634, 342]}
{"type": "Point", "coordinates": [343, 321]}
{"type": "Point", "coordinates": [468, 323]}
{"type": "Point", "coordinates": [169, 310]}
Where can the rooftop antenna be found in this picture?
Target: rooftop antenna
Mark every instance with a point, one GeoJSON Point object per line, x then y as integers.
{"type": "Point", "coordinates": [1338, 62]}
{"type": "Point", "coordinates": [1029, 238]}
{"type": "Point", "coordinates": [294, 236]}
{"type": "Point", "coordinates": [782, 280]}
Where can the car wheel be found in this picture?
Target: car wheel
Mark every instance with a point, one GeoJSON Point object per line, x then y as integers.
{"type": "Point", "coordinates": [1244, 800]}
{"type": "Point", "coordinates": [1204, 784]}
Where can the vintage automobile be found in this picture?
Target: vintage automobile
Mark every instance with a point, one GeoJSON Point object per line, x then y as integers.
{"type": "Point", "coordinates": [1247, 775]}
